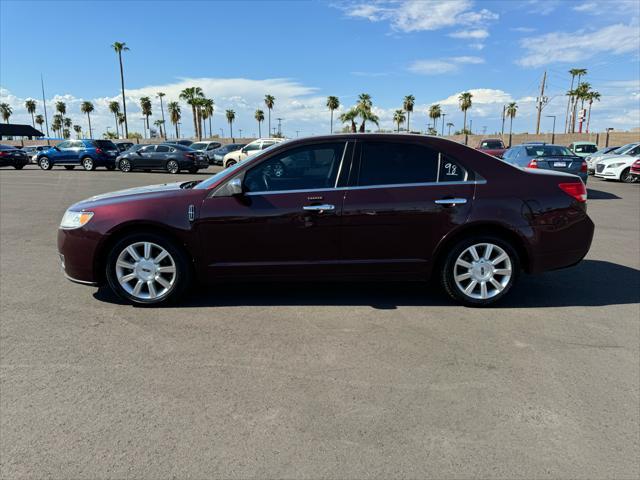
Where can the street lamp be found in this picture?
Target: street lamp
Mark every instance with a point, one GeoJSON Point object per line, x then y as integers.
{"type": "Point", "coordinates": [608, 130]}
{"type": "Point", "coordinates": [553, 132]}
{"type": "Point", "coordinates": [221, 133]}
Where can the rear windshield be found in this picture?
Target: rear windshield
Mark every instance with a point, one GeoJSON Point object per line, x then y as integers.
{"type": "Point", "coordinates": [199, 146]}
{"type": "Point", "coordinates": [491, 144]}
{"type": "Point", "coordinates": [586, 148]}
{"type": "Point", "coordinates": [105, 144]}
{"type": "Point", "coordinates": [548, 151]}
{"type": "Point", "coordinates": [6, 147]}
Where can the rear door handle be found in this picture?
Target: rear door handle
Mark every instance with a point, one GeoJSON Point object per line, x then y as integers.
{"type": "Point", "coordinates": [451, 201]}
{"type": "Point", "coordinates": [325, 207]}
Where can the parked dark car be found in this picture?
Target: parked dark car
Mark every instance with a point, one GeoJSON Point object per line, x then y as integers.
{"type": "Point", "coordinates": [342, 206]}
{"type": "Point", "coordinates": [186, 143]}
{"type": "Point", "coordinates": [218, 154]}
{"type": "Point", "coordinates": [492, 146]}
{"type": "Point", "coordinates": [13, 157]}
{"type": "Point", "coordinates": [169, 157]}
{"type": "Point", "coordinates": [547, 157]}
{"type": "Point", "coordinates": [124, 146]}
{"type": "Point", "coordinates": [86, 153]}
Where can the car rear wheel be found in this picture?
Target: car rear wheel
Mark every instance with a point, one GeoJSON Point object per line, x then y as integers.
{"type": "Point", "coordinates": [193, 170]}
{"type": "Point", "coordinates": [88, 164]}
{"type": "Point", "coordinates": [479, 271]}
{"type": "Point", "coordinates": [18, 166]}
{"type": "Point", "coordinates": [626, 176]}
{"type": "Point", "coordinates": [69, 167]}
{"type": "Point", "coordinates": [147, 269]}
{"type": "Point", "coordinates": [110, 167]}
{"type": "Point", "coordinates": [124, 165]}
{"type": "Point", "coordinates": [173, 167]}
{"type": "Point", "coordinates": [230, 163]}
{"type": "Point", "coordinates": [44, 163]}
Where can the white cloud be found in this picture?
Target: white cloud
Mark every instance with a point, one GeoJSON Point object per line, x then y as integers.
{"type": "Point", "coordinates": [613, 7]}
{"type": "Point", "coordinates": [523, 29]}
{"type": "Point", "coordinates": [419, 15]}
{"type": "Point", "coordinates": [477, 34]}
{"type": "Point", "coordinates": [560, 47]}
{"type": "Point", "coordinates": [442, 66]}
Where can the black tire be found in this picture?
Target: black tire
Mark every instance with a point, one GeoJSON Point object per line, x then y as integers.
{"type": "Point", "coordinates": [69, 167]}
{"type": "Point", "coordinates": [45, 163]}
{"type": "Point", "coordinates": [88, 164]}
{"type": "Point", "coordinates": [448, 270]}
{"type": "Point", "coordinates": [183, 271]}
{"type": "Point", "coordinates": [193, 170]}
{"type": "Point", "coordinates": [173, 167]}
{"type": "Point", "coordinates": [626, 176]}
{"type": "Point", "coordinates": [19, 166]}
{"type": "Point", "coordinates": [111, 168]}
{"type": "Point", "coordinates": [125, 165]}
{"type": "Point", "coordinates": [230, 163]}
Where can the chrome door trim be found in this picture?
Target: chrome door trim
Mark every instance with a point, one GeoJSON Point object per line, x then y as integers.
{"type": "Point", "coordinates": [325, 207]}
{"type": "Point", "coordinates": [451, 201]}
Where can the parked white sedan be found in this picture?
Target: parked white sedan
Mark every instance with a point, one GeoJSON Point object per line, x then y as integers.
{"type": "Point", "coordinates": [616, 168]}
{"type": "Point", "coordinates": [632, 149]}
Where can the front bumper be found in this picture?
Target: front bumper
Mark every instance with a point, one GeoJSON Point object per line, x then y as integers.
{"type": "Point", "coordinates": [77, 250]}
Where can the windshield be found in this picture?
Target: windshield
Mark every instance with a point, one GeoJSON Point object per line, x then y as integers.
{"type": "Point", "coordinates": [198, 146]}
{"type": "Point", "coordinates": [221, 174]}
{"type": "Point", "coordinates": [624, 149]}
{"type": "Point", "coordinates": [548, 151]}
{"type": "Point", "coordinates": [491, 144]}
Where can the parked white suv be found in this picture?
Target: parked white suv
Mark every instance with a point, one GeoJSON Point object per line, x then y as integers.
{"type": "Point", "coordinates": [254, 147]}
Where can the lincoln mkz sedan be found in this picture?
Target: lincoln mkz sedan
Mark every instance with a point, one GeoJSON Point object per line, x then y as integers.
{"type": "Point", "coordinates": [355, 206]}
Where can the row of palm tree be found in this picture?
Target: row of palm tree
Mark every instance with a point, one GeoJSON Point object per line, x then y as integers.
{"type": "Point", "coordinates": [582, 93]}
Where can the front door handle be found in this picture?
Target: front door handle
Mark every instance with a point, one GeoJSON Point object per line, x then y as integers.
{"type": "Point", "coordinates": [325, 207]}
{"type": "Point", "coordinates": [451, 201]}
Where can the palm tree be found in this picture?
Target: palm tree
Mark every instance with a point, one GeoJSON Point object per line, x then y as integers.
{"type": "Point", "coordinates": [350, 116]}
{"type": "Point", "coordinates": [174, 115]}
{"type": "Point", "coordinates": [269, 101]}
{"type": "Point", "coordinates": [333, 103]}
{"type": "Point", "coordinates": [145, 106]}
{"type": "Point", "coordinates": [6, 111]}
{"type": "Point", "coordinates": [67, 127]}
{"type": "Point", "coordinates": [465, 104]}
{"type": "Point", "coordinates": [61, 108]}
{"type": "Point", "coordinates": [449, 124]}
{"type": "Point", "coordinates": [511, 111]}
{"type": "Point", "coordinates": [120, 47]}
{"type": "Point", "coordinates": [575, 72]}
{"type": "Point", "coordinates": [40, 121]}
{"type": "Point", "coordinates": [207, 112]}
{"type": "Point", "coordinates": [160, 95]}
{"type": "Point", "coordinates": [114, 107]}
{"type": "Point", "coordinates": [593, 95]}
{"type": "Point", "coordinates": [30, 105]}
{"type": "Point", "coordinates": [121, 121]}
{"type": "Point", "coordinates": [66, 133]}
{"type": "Point", "coordinates": [435, 113]}
{"type": "Point", "coordinates": [364, 107]}
{"type": "Point", "coordinates": [407, 104]}
{"type": "Point", "coordinates": [87, 107]}
{"type": "Point", "coordinates": [159, 123]}
{"type": "Point", "coordinates": [57, 124]}
{"type": "Point", "coordinates": [259, 116]}
{"type": "Point", "coordinates": [78, 130]}
{"type": "Point", "coordinates": [399, 117]}
{"type": "Point", "coordinates": [231, 116]}
{"type": "Point", "coordinates": [191, 96]}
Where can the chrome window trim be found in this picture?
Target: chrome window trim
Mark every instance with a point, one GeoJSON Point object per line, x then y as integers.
{"type": "Point", "coordinates": [369, 187]}
{"type": "Point", "coordinates": [344, 152]}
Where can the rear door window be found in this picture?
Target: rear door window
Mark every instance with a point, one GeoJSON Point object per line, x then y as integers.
{"type": "Point", "coordinates": [391, 163]}
{"type": "Point", "coordinates": [162, 149]}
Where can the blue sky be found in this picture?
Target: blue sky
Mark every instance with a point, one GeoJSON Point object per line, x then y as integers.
{"type": "Point", "coordinates": [302, 51]}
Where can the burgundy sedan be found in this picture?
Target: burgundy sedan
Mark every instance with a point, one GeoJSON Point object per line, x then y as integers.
{"type": "Point", "coordinates": [336, 207]}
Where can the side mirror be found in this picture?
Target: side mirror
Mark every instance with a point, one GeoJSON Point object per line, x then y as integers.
{"type": "Point", "coordinates": [139, 152]}
{"type": "Point", "coordinates": [235, 186]}
{"type": "Point", "coordinates": [56, 148]}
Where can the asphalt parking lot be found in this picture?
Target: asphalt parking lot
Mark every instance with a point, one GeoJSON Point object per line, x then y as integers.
{"type": "Point", "coordinates": [315, 381]}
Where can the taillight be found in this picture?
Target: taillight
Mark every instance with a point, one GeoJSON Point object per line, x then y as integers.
{"type": "Point", "coordinates": [98, 150]}
{"type": "Point", "coordinates": [533, 163]}
{"type": "Point", "coordinates": [189, 155]}
{"type": "Point", "coordinates": [2, 154]}
{"type": "Point", "coordinates": [576, 190]}
{"type": "Point", "coordinates": [636, 164]}
{"type": "Point", "coordinates": [583, 167]}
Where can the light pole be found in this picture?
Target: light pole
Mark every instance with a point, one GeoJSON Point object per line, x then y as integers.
{"type": "Point", "coordinates": [221, 133]}
{"type": "Point", "coordinates": [553, 131]}
{"type": "Point", "coordinates": [144, 127]}
{"type": "Point", "coordinates": [608, 130]}
{"type": "Point", "coordinates": [442, 130]}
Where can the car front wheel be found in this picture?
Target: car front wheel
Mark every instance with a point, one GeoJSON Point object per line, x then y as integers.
{"type": "Point", "coordinates": [45, 164]}
{"type": "Point", "coordinates": [479, 271]}
{"type": "Point", "coordinates": [147, 269]}
{"type": "Point", "coordinates": [124, 165]}
{"type": "Point", "coordinates": [173, 167]}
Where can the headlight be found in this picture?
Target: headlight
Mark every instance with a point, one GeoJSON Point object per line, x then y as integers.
{"type": "Point", "coordinates": [615, 165]}
{"type": "Point", "coordinates": [72, 219]}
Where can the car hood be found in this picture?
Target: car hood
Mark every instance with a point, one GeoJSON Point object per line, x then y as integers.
{"type": "Point", "coordinates": [616, 158]}
{"type": "Point", "coordinates": [131, 194]}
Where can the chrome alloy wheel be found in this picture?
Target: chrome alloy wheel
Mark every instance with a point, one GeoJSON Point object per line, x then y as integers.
{"type": "Point", "coordinates": [482, 271]}
{"type": "Point", "coordinates": [146, 271]}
